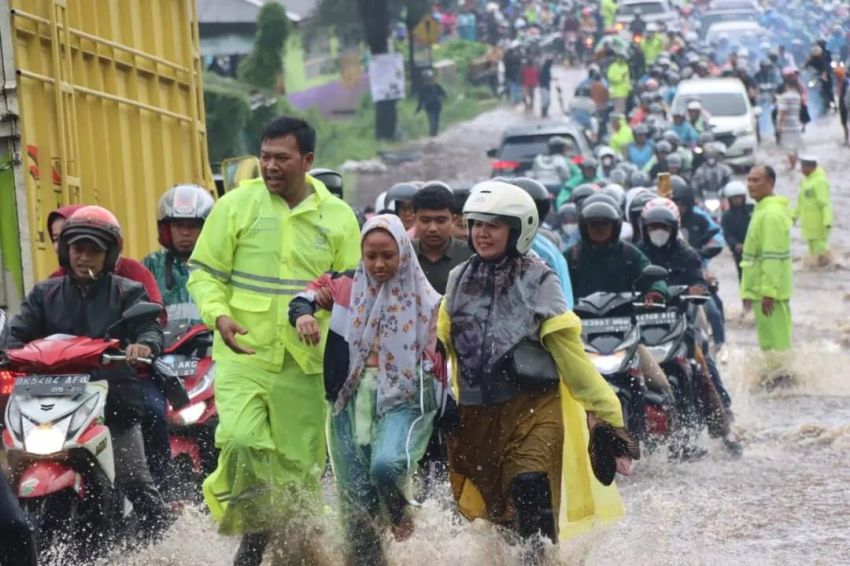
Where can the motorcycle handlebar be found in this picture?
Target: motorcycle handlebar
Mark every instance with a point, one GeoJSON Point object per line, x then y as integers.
{"type": "Point", "coordinates": [107, 358]}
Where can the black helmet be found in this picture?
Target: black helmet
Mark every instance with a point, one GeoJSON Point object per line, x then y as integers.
{"type": "Point", "coordinates": [400, 192]}
{"type": "Point", "coordinates": [589, 162]}
{"type": "Point", "coordinates": [618, 177]}
{"type": "Point", "coordinates": [663, 147]}
{"type": "Point", "coordinates": [671, 137]}
{"type": "Point", "coordinates": [568, 213]}
{"type": "Point", "coordinates": [535, 189]}
{"type": "Point", "coordinates": [641, 130]}
{"type": "Point", "coordinates": [616, 192]}
{"type": "Point", "coordinates": [638, 201]}
{"type": "Point", "coordinates": [331, 179]}
{"type": "Point", "coordinates": [675, 160]}
{"type": "Point", "coordinates": [639, 179]}
{"type": "Point", "coordinates": [683, 193]}
{"type": "Point", "coordinates": [557, 144]}
{"type": "Point", "coordinates": [581, 193]}
{"type": "Point", "coordinates": [659, 215]}
{"type": "Point", "coordinates": [599, 208]}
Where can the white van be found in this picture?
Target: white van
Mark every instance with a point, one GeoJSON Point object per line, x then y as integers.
{"type": "Point", "coordinates": [732, 118]}
{"type": "Point", "coordinates": [651, 11]}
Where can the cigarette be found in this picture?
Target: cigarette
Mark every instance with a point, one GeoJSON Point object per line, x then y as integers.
{"type": "Point", "coordinates": [91, 273]}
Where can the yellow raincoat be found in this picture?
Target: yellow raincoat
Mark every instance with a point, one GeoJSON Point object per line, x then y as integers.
{"type": "Point", "coordinates": [814, 210]}
{"type": "Point", "coordinates": [584, 501]}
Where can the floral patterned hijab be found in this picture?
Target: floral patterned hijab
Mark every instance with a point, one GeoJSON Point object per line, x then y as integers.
{"type": "Point", "coordinates": [397, 319]}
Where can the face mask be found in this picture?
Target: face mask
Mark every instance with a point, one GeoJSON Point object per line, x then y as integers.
{"type": "Point", "coordinates": [607, 161]}
{"type": "Point", "coordinates": [569, 227]}
{"type": "Point", "coordinates": [659, 238]}
{"type": "Point", "coordinates": [711, 160]}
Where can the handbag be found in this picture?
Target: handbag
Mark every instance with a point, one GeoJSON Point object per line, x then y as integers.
{"type": "Point", "coordinates": [532, 367]}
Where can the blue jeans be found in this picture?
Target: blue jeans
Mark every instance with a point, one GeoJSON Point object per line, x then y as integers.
{"type": "Point", "coordinates": [373, 479]}
{"type": "Point", "coordinates": [714, 312]}
{"type": "Point", "coordinates": [155, 433]}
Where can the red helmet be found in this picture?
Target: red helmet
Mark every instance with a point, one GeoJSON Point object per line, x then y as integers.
{"type": "Point", "coordinates": [96, 224]}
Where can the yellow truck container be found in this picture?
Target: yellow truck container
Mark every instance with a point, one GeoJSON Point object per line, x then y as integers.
{"type": "Point", "coordinates": [101, 103]}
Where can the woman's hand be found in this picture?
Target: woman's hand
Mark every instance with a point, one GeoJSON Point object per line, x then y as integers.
{"type": "Point", "coordinates": [308, 329]}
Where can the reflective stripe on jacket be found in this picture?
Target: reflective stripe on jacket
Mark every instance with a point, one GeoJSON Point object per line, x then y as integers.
{"type": "Point", "coordinates": [255, 254]}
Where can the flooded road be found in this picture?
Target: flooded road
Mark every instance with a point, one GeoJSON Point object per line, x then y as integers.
{"type": "Point", "coordinates": [786, 501]}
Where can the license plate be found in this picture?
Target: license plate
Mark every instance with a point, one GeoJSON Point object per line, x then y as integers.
{"type": "Point", "coordinates": [180, 365]}
{"type": "Point", "coordinates": [597, 325]}
{"type": "Point", "coordinates": [51, 385]}
{"type": "Point", "coordinates": [657, 318]}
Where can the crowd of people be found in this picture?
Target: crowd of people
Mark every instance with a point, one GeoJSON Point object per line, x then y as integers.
{"type": "Point", "coordinates": [435, 331]}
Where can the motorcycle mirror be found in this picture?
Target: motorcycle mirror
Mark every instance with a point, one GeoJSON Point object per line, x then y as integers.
{"type": "Point", "coordinates": [651, 274]}
{"type": "Point", "coordinates": [491, 153]}
{"type": "Point", "coordinates": [234, 170]}
{"type": "Point", "coordinates": [140, 312]}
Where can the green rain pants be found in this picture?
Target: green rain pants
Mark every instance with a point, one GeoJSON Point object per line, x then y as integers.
{"type": "Point", "coordinates": [272, 442]}
{"type": "Point", "coordinates": [774, 331]}
{"type": "Point", "coordinates": [818, 247]}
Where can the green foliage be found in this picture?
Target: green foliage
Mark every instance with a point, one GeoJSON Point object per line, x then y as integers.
{"type": "Point", "coordinates": [461, 51]}
{"type": "Point", "coordinates": [264, 66]}
{"type": "Point", "coordinates": [227, 111]}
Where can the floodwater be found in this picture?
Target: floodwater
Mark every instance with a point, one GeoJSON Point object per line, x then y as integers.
{"type": "Point", "coordinates": [786, 501]}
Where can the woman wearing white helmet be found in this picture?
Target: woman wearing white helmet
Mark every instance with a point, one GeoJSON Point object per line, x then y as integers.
{"type": "Point", "coordinates": [736, 220]}
{"type": "Point", "coordinates": [522, 379]}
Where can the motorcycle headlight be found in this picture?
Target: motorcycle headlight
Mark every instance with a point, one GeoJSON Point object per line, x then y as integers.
{"type": "Point", "coordinates": [204, 383]}
{"type": "Point", "coordinates": [82, 414]}
{"type": "Point", "coordinates": [13, 417]}
{"type": "Point", "coordinates": [660, 352]}
{"type": "Point", "coordinates": [45, 439]}
{"type": "Point", "coordinates": [192, 413]}
{"type": "Point", "coordinates": [608, 364]}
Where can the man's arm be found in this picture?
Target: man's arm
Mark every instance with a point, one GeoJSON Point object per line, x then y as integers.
{"type": "Point", "coordinates": [822, 196]}
{"type": "Point", "coordinates": [148, 333]}
{"type": "Point", "coordinates": [211, 264]}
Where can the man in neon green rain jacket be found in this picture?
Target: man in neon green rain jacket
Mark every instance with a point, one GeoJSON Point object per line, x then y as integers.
{"type": "Point", "coordinates": [619, 82]}
{"type": "Point", "coordinates": [653, 44]}
{"type": "Point", "coordinates": [260, 246]}
{"type": "Point", "coordinates": [766, 280]}
{"type": "Point", "coordinates": [609, 12]}
{"type": "Point", "coordinates": [814, 209]}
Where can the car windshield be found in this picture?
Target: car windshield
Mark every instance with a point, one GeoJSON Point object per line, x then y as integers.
{"type": "Point", "coordinates": [642, 8]}
{"type": "Point", "coordinates": [526, 148]}
{"type": "Point", "coordinates": [718, 103]}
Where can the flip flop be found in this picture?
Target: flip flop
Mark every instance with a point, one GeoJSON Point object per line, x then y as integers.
{"type": "Point", "coordinates": [605, 446]}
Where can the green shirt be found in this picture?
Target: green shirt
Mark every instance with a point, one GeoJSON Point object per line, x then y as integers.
{"type": "Point", "coordinates": [178, 303]}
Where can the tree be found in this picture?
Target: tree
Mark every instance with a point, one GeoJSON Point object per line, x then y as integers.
{"type": "Point", "coordinates": [263, 68]}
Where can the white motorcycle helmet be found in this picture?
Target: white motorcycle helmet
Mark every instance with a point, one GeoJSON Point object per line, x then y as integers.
{"type": "Point", "coordinates": [495, 200]}
{"type": "Point", "coordinates": [735, 189]}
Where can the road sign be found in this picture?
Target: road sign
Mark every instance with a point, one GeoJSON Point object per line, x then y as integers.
{"type": "Point", "coordinates": [428, 30]}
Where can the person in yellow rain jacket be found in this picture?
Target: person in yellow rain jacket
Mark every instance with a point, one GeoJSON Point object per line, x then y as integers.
{"type": "Point", "coordinates": [609, 12]}
{"type": "Point", "coordinates": [814, 208]}
{"type": "Point", "coordinates": [619, 82]}
{"type": "Point", "coordinates": [519, 454]}
{"type": "Point", "coordinates": [260, 246]}
{"type": "Point", "coordinates": [766, 275]}
{"type": "Point", "coordinates": [653, 44]}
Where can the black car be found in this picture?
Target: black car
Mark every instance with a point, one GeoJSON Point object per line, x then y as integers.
{"type": "Point", "coordinates": [521, 144]}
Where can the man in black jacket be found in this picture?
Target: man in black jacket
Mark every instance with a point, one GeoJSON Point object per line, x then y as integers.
{"type": "Point", "coordinates": [663, 246]}
{"type": "Point", "coordinates": [736, 220]}
{"type": "Point", "coordinates": [87, 301]}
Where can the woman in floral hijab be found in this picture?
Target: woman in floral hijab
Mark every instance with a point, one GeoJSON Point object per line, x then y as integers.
{"type": "Point", "coordinates": [383, 411]}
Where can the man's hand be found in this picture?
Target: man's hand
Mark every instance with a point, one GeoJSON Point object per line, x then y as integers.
{"type": "Point", "coordinates": [308, 329]}
{"type": "Point", "coordinates": [748, 305]}
{"type": "Point", "coordinates": [767, 306]}
{"type": "Point", "coordinates": [136, 351]}
{"type": "Point", "coordinates": [228, 329]}
{"type": "Point", "coordinates": [739, 248]}
{"type": "Point", "coordinates": [697, 290]}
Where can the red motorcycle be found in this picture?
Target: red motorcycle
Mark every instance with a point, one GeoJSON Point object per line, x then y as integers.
{"type": "Point", "coordinates": [192, 428]}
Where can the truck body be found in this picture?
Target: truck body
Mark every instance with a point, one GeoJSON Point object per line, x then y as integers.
{"type": "Point", "coordinates": [101, 103]}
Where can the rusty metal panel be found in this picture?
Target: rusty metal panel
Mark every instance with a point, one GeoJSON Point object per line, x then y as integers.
{"type": "Point", "coordinates": [111, 110]}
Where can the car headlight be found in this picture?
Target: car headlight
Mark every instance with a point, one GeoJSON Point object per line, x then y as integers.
{"type": "Point", "coordinates": [82, 414]}
{"type": "Point", "coordinates": [608, 364]}
{"type": "Point", "coordinates": [192, 413]}
{"type": "Point", "coordinates": [712, 204]}
{"type": "Point", "coordinates": [45, 439]}
{"type": "Point", "coordinates": [13, 417]}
